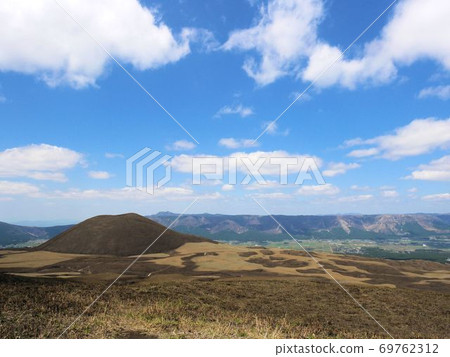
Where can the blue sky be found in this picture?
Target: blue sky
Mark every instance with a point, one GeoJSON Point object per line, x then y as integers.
{"type": "Point", "coordinates": [70, 116]}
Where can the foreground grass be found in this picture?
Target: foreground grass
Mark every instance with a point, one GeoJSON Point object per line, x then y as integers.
{"type": "Point", "coordinates": [43, 308]}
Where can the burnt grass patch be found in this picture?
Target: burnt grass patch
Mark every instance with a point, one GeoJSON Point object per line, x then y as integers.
{"type": "Point", "coordinates": [247, 254]}
{"type": "Point", "coordinates": [271, 263]}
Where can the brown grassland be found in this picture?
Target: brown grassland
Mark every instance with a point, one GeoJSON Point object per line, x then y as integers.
{"type": "Point", "coordinates": [265, 308]}
{"type": "Point", "coordinates": [205, 290]}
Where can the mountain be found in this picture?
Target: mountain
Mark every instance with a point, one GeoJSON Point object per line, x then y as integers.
{"type": "Point", "coordinates": [121, 235]}
{"type": "Point", "coordinates": [244, 228]}
{"type": "Point", "coordinates": [12, 235]}
{"type": "Point", "coordinates": [250, 227]}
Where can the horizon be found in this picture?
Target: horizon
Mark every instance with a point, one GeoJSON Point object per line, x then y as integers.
{"type": "Point", "coordinates": [375, 122]}
{"type": "Point", "coordinates": [43, 224]}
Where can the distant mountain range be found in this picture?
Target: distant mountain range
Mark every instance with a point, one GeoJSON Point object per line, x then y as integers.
{"type": "Point", "coordinates": [264, 228]}
{"type": "Point", "coordinates": [12, 234]}
{"type": "Point", "coordinates": [245, 228]}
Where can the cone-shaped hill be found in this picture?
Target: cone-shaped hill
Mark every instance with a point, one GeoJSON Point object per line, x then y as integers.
{"type": "Point", "coordinates": [122, 235]}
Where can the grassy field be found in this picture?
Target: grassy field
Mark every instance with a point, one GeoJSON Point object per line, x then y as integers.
{"type": "Point", "coordinates": [205, 290]}
{"type": "Point", "coordinates": [269, 308]}
{"type": "Point", "coordinates": [222, 261]}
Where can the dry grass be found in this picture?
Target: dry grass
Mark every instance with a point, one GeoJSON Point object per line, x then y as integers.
{"type": "Point", "coordinates": [11, 259]}
{"type": "Point", "coordinates": [224, 261]}
{"type": "Point", "coordinates": [292, 308]}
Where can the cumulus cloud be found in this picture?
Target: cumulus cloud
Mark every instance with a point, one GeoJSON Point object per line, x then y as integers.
{"type": "Point", "coordinates": [39, 38]}
{"type": "Point", "coordinates": [17, 188]}
{"type": "Point", "coordinates": [436, 170]}
{"type": "Point", "coordinates": [363, 152]}
{"type": "Point", "coordinates": [286, 39]}
{"type": "Point", "coordinates": [99, 175]}
{"type": "Point", "coordinates": [40, 162]}
{"type": "Point", "coordinates": [180, 145]}
{"type": "Point", "coordinates": [437, 197]}
{"type": "Point", "coordinates": [268, 163]}
{"type": "Point", "coordinates": [441, 92]}
{"type": "Point", "coordinates": [126, 193]}
{"type": "Point", "coordinates": [356, 198]}
{"type": "Point", "coordinates": [268, 185]}
{"type": "Point", "coordinates": [239, 109]}
{"type": "Point", "coordinates": [417, 30]}
{"type": "Point", "coordinates": [169, 193]}
{"type": "Point", "coordinates": [284, 35]}
{"type": "Point", "coordinates": [360, 188]}
{"type": "Point", "coordinates": [232, 143]}
{"type": "Point", "coordinates": [316, 190]}
{"type": "Point", "coordinates": [389, 193]}
{"type": "Point", "coordinates": [271, 161]}
{"type": "Point", "coordinates": [227, 187]}
{"type": "Point", "coordinates": [418, 137]}
{"type": "Point", "coordinates": [338, 168]}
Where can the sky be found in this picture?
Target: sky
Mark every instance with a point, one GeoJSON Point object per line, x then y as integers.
{"type": "Point", "coordinates": [85, 85]}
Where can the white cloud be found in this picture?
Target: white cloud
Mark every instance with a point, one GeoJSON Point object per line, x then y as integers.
{"type": "Point", "coordinates": [269, 184]}
{"type": "Point", "coordinates": [41, 162]}
{"type": "Point", "coordinates": [131, 194]}
{"type": "Point", "coordinates": [272, 196]}
{"type": "Point", "coordinates": [357, 198]}
{"type": "Point", "coordinates": [417, 30]}
{"type": "Point", "coordinates": [360, 188]}
{"type": "Point", "coordinates": [240, 110]}
{"type": "Point", "coordinates": [437, 197]}
{"type": "Point", "coordinates": [111, 155]}
{"type": "Point", "coordinates": [413, 190]}
{"type": "Point", "coordinates": [271, 128]}
{"type": "Point", "coordinates": [183, 162]}
{"type": "Point", "coordinates": [387, 187]}
{"type": "Point", "coordinates": [418, 137]}
{"type": "Point", "coordinates": [17, 188]}
{"type": "Point", "coordinates": [39, 38]}
{"type": "Point", "coordinates": [166, 193]}
{"type": "Point", "coordinates": [203, 37]}
{"type": "Point", "coordinates": [48, 176]}
{"type": "Point", "coordinates": [284, 35]}
{"type": "Point", "coordinates": [316, 190]}
{"type": "Point", "coordinates": [363, 152]}
{"type": "Point", "coordinates": [441, 92]}
{"type": "Point", "coordinates": [338, 168]}
{"type": "Point", "coordinates": [436, 170]}
{"type": "Point", "coordinates": [227, 187]}
{"type": "Point", "coordinates": [389, 193]}
{"type": "Point", "coordinates": [181, 145]}
{"type": "Point", "coordinates": [99, 175]}
{"type": "Point", "coordinates": [232, 143]}
{"type": "Point", "coordinates": [268, 159]}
